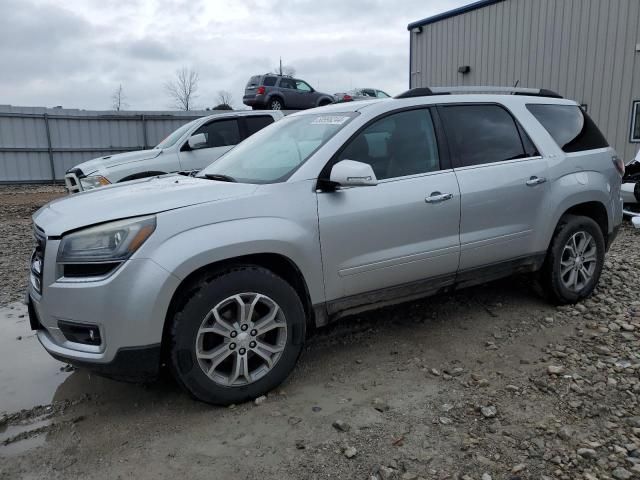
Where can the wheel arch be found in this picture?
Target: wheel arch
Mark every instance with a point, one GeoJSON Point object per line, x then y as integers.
{"type": "Point", "coordinates": [594, 209]}
{"type": "Point", "coordinates": [277, 263]}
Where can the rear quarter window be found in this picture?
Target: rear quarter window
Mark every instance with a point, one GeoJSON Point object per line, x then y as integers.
{"type": "Point", "coordinates": [571, 128]}
{"type": "Point", "coordinates": [269, 81]}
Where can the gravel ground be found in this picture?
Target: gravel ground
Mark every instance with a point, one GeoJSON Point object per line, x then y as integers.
{"type": "Point", "coordinates": [488, 383]}
{"type": "Point", "coordinates": [17, 204]}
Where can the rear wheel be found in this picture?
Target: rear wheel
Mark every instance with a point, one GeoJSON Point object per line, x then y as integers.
{"type": "Point", "coordinates": [575, 259]}
{"type": "Point", "coordinates": [238, 336]}
{"type": "Point", "coordinates": [276, 104]}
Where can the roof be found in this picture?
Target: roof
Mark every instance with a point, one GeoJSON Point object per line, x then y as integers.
{"type": "Point", "coordinates": [452, 13]}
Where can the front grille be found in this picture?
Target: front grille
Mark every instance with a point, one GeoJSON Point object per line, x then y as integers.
{"type": "Point", "coordinates": [37, 259]}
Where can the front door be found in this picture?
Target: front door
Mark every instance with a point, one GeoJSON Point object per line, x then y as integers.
{"type": "Point", "coordinates": [403, 230]}
{"type": "Point", "coordinates": [221, 135]}
{"type": "Point", "coordinates": [503, 184]}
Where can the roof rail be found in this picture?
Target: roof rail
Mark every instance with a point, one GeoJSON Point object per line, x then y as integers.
{"type": "Point", "coordinates": [425, 91]}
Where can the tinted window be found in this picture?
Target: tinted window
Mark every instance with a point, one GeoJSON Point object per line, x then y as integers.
{"type": "Point", "coordinates": [367, 92]}
{"type": "Point", "coordinates": [221, 133]}
{"type": "Point", "coordinates": [287, 83]}
{"type": "Point", "coordinates": [253, 81]}
{"type": "Point", "coordinates": [397, 145]}
{"type": "Point", "coordinates": [257, 123]}
{"type": "Point", "coordinates": [269, 81]}
{"type": "Point", "coordinates": [571, 128]}
{"type": "Point", "coordinates": [482, 134]}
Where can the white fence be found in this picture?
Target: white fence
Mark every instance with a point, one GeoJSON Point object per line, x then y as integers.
{"type": "Point", "coordinates": [39, 144]}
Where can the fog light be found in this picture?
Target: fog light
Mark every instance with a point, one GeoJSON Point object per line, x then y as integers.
{"type": "Point", "coordinates": [80, 333]}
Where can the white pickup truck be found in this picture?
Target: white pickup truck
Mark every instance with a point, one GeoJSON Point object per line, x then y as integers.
{"type": "Point", "coordinates": [191, 147]}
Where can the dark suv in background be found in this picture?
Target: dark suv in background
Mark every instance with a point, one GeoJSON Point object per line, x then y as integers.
{"type": "Point", "coordinates": [277, 92]}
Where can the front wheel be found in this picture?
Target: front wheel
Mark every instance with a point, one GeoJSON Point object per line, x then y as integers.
{"type": "Point", "coordinates": [575, 260]}
{"type": "Point", "coordinates": [238, 336]}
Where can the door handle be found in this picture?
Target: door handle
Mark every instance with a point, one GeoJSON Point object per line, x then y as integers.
{"type": "Point", "coordinates": [437, 197]}
{"type": "Point", "coordinates": [533, 181]}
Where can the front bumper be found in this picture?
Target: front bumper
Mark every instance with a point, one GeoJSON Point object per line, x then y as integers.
{"type": "Point", "coordinates": [128, 307]}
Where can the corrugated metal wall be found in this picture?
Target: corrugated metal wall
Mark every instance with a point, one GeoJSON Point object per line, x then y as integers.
{"type": "Point", "coordinates": [583, 49]}
{"type": "Point", "coordinates": [34, 139]}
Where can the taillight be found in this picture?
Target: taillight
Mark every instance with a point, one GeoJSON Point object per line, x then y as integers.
{"type": "Point", "coordinates": [617, 161]}
{"type": "Point", "coordinates": [260, 91]}
{"type": "Point", "coordinates": [347, 98]}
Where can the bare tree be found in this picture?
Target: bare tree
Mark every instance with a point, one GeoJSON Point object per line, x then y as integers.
{"type": "Point", "coordinates": [183, 90]}
{"type": "Point", "coordinates": [118, 99]}
{"type": "Point", "coordinates": [224, 98]}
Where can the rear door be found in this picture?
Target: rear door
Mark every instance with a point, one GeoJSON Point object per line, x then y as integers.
{"type": "Point", "coordinates": [289, 92]}
{"type": "Point", "coordinates": [503, 183]}
{"type": "Point", "coordinates": [222, 135]}
{"type": "Point", "coordinates": [402, 231]}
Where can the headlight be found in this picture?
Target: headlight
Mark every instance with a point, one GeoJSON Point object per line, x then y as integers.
{"type": "Point", "coordinates": [109, 242]}
{"type": "Point", "coordinates": [95, 181]}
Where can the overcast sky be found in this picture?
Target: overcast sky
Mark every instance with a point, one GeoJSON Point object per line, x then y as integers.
{"type": "Point", "coordinates": [75, 53]}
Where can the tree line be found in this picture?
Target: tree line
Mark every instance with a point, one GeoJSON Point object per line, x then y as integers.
{"type": "Point", "coordinates": [182, 92]}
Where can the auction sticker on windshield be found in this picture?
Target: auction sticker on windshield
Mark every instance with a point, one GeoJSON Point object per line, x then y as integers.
{"type": "Point", "coordinates": [330, 120]}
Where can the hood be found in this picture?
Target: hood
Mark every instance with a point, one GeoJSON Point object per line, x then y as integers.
{"type": "Point", "coordinates": [130, 199]}
{"type": "Point", "coordinates": [98, 164]}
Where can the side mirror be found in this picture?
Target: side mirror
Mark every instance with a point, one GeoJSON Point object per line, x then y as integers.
{"type": "Point", "coordinates": [199, 140]}
{"type": "Point", "coordinates": [349, 173]}
{"type": "Point", "coordinates": [636, 222]}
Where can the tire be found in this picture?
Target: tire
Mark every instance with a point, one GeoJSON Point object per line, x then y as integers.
{"type": "Point", "coordinates": [563, 276]}
{"type": "Point", "coordinates": [221, 293]}
{"type": "Point", "coordinates": [276, 104]}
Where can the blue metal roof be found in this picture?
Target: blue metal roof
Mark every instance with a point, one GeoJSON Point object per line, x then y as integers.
{"type": "Point", "coordinates": [453, 13]}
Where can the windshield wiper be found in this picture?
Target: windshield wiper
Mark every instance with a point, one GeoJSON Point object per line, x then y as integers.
{"type": "Point", "coordinates": [219, 177]}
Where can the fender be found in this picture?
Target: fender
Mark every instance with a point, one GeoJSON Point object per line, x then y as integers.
{"type": "Point", "coordinates": [574, 189]}
{"type": "Point", "coordinates": [198, 247]}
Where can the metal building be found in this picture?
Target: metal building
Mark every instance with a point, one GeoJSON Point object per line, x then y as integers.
{"type": "Point", "coordinates": [586, 50]}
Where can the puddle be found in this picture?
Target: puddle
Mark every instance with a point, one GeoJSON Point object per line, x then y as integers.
{"type": "Point", "coordinates": [28, 375]}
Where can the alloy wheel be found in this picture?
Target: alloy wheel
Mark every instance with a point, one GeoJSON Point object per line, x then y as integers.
{"type": "Point", "coordinates": [241, 339]}
{"type": "Point", "coordinates": [579, 260]}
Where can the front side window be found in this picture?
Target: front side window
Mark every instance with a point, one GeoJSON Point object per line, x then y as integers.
{"type": "Point", "coordinates": [367, 92]}
{"type": "Point", "coordinates": [221, 133]}
{"type": "Point", "coordinates": [482, 134]}
{"type": "Point", "coordinates": [397, 145]}
{"type": "Point", "coordinates": [274, 153]}
{"type": "Point", "coordinates": [303, 86]}
{"type": "Point", "coordinates": [570, 126]}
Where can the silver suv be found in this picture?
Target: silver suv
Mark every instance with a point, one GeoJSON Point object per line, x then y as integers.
{"type": "Point", "coordinates": [322, 214]}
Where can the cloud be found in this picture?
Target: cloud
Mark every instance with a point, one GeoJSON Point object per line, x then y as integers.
{"type": "Point", "coordinates": [75, 53]}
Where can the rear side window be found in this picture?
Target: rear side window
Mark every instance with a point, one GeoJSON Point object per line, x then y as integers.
{"type": "Point", "coordinates": [571, 128]}
{"type": "Point", "coordinates": [221, 133]}
{"type": "Point", "coordinates": [482, 134]}
{"type": "Point", "coordinates": [269, 81]}
{"type": "Point", "coordinates": [255, 124]}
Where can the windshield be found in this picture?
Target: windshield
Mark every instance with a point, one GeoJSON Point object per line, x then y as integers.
{"type": "Point", "coordinates": [275, 152]}
{"type": "Point", "coordinates": [176, 135]}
